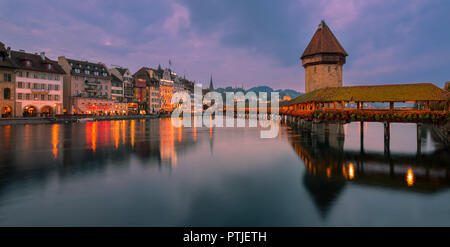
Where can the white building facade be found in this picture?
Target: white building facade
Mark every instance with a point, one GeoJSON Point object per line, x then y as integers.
{"type": "Point", "coordinates": [39, 80]}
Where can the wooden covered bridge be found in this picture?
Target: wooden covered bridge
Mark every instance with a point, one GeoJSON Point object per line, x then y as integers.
{"type": "Point", "coordinates": [355, 103]}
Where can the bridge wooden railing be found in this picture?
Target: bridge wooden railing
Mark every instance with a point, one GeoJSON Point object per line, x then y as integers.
{"type": "Point", "coordinates": [371, 115]}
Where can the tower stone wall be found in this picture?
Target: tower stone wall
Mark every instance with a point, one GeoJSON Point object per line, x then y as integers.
{"type": "Point", "coordinates": [323, 60]}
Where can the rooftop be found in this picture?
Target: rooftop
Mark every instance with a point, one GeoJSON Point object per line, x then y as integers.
{"type": "Point", "coordinates": [323, 42]}
{"type": "Point", "coordinates": [376, 93]}
{"type": "Point", "coordinates": [37, 63]}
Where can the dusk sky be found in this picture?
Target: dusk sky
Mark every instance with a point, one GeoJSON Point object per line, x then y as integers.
{"type": "Point", "coordinates": [239, 42]}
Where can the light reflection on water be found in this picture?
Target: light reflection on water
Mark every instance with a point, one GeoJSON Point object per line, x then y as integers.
{"type": "Point", "coordinates": [150, 173]}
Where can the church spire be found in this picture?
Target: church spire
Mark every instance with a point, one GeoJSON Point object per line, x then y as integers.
{"type": "Point", "coordinates": [211, 86]}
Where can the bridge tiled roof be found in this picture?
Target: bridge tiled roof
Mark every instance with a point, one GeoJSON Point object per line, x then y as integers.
{"type": "Point", "coordinates": [377, 93]}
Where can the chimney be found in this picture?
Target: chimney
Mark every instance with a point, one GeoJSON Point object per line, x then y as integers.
{"type": "Point", "coordinates": [43, 55]}
{"type": "Point", "coordinates": [8, 51]}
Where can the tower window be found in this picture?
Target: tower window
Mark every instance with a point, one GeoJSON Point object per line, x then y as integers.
{"type": "Point", "coordinates": [328, 69]}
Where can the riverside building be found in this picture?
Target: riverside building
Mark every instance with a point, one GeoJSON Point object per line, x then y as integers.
{"type": "Point", "coordinates": [147, 90]}
{"type": "Point", "coordinates": [7, 80]}
{"type": "Point", "coordinates": [87, 89]}
{"type": "Point", "coordinates": [38, 85]}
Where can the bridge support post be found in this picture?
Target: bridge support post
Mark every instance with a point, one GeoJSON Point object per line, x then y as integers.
{"type": "Point", "coordinates": [313, 128]}
{"type": "Point", "coordinates": [361, 130]}
{"type": "Point", "coordinates": [419, 139]}
{"type": "Point", "coordinates": [387, 137]}
{"type": "Point", "coordinates": [340, 130]}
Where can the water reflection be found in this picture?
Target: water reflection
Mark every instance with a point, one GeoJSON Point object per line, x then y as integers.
{"type": "Point", "coordinates": [152, 173]}
{"type": "Point", "coordinates": [332, 161]}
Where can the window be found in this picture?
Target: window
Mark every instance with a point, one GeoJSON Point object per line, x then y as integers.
{"type": "Point", "coordinates": [49, 76]}
{"type": "Point", "coordinates": [35, 86]}
{"type": "Point", "coordinates": [57, 77]}
{"type": "Point", "coordinates": [7, 93]}
{"type": "Point", "coordinates": [76, 78]}
{"type": "Point", "coordinates": [49, 97]}
{"type": "Point", "coordinates": [42, 86]}
{"type": "Point", "coordinates": [36, 75]}
{"type": "Point", "coordinates": [95, 72]}
{"type": "Point", "coordinates": [56, 97]}
{"type": "Point", "coordinates": [28, 74]}
{"type": "Point", "coordinates": [49, 86]}
{"type": "Point", "coordinates": [19, 96]}
{"type": "Point", "coordinates": [27, 96]}
{"type": "Point", "coordinates": [87, 72]}
{"type": "Point", "coordinates": [106, 87]}
{"type": "Point", "coordinates": [77, 70]}
{"type": "Point", "coordinates": [42, 76]}
{"type": "Point", "coordinates": [42, 97]}
{"type": "Point", "coordinates": [28, 85]}
{"type": "Point", "coordinates": [19, 84]}
{"type": "Point", "coordinates": [56, 87]}
{"type": "Point", "coordinates": [28, 63]}
{"type": "Point", "coordinates": [7, 77]}
{"type": "Point", "coordinates": [35, 97]}
{"type": "Point", "coordinates": [19, 74]}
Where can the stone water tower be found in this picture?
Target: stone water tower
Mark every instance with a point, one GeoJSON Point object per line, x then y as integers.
{"type": "Point", "coordinates": [323, 59]}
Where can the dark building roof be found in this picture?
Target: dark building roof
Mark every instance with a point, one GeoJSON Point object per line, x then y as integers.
{"type": "Point", "coordinates": [114, 78]}
{"type": "Point", "coordinates": [323, 42]}
{"type": "Point", "coordinates": [122, 71]}
{"type": "Point", "coordinates": [5, 61]}
{"type": "Point", "coordinates": [18, 59]}
{"type": "Point", "coordinates": [91, 67]}
{"type": "Point", "coordinates": [377, 93]}
{"type": "Point", "coordinates": [144, 75]}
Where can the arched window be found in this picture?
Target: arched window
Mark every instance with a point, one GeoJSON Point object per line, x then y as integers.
{"type": "Point", "coordinates": [7, 93]}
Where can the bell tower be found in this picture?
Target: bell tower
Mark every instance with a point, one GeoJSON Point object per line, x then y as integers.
{"type": "Point", "coordinates": [323, 59]}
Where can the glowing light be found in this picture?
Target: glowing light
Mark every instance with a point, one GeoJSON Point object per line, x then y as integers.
{"type": "Point", "coordinates": [116, 134]}
{"type": "Point", "coordinates": [93, 131]}
{"type": "Point", "coordinates": [210, 128]}
{"type": "Point", "coordinates": [410, 177]}
{"type": "Point", "coordinates": [55, 133]}
{"type": "Point", "coordinates": [122, 128]}
{"type": "Point", "coordinates": [351, 171]}
{"type": "Point", "coordinates": [194, 132]}
{"type": "Point", "coordinates": [133, 123]}
{"type": "Point", "coordinates": [180, 134]}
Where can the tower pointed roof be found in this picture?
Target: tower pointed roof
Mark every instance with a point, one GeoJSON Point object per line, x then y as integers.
{"type": "Point", "coordinates": [211, 86]}
{"type": "Point", "coordinates": [323, 41]}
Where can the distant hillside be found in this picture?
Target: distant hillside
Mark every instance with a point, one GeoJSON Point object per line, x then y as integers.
{"type": "Point", "coordinates": [282, 92]}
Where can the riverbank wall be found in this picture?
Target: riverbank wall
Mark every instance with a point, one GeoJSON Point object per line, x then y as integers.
{"type": "Point", "coordinates": [73, 119]}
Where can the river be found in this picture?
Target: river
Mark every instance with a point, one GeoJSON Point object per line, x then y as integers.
{"type": "Point", "coordinates": [149, 173]}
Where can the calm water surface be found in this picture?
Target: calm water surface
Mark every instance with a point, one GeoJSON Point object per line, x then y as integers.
{"type": "Point", "coordinates": [148, 173]}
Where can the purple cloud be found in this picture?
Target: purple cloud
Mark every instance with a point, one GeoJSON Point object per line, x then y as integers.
{"type": "Point", "coordinates": [239, 42]}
